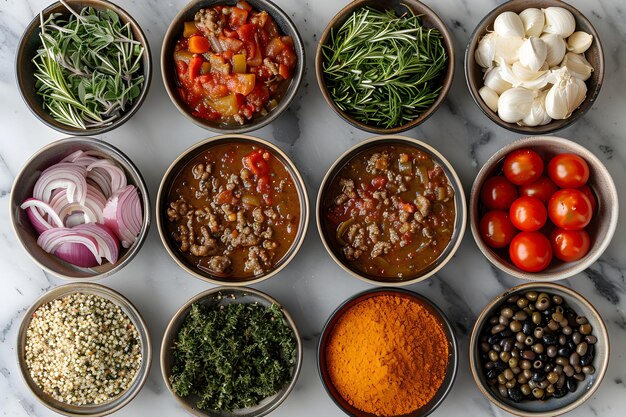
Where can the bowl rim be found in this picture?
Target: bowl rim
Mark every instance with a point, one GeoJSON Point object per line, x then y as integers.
{"type": "Point", "coordinates": [603, 333]}
{"type": "Point", "coordinates": [457, 185]}
{"type": "Point", "coordinates": [141, 185]}
{"type": "Point", "coordinates": [469, 60]}
{"type": "Point", "coordinates": [120, 301]}
{"type": "Point", "coordinates": [291, 169]}
{"type": "Point", "coordinates": [446, 324]}
{"type": "Point", "coordinates": [284, 102]}
{"type": "Point", "coordinates": [448, 75]}
{"type": "Point", "coordinates": [529, 142]}
{"type": "Point", "coordinates": [39, 111]}
{"type": "Point", "coordinates": [168, 336]}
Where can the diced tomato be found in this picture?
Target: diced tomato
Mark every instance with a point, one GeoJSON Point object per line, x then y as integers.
{"type": "Point", "coordinates": [287, 57]}
{"type": "Point", "coordinates": [341, 213]}
{"type": "Point", "coordinates": [263, 184]}
{"type": "Point", "coordinates": [241, 83]}
{"type": "Point", "coordinates": [182, 71]}
{"type": "Point", "coordinates": [244, 5]}
{"type": "Point", "coordinates": [271, 27]}
{"type": "Point", "coordinates": [230, 44]}
{"type": "Point", "coordinates": [262, 18]}
{"type": "Point", "coordinates": [199, 44]}
{"type": "Point", "coordinates": [194, 66]}
{"type": "Point", "coordinates": [258, 97]}
{"type": "Point", "coordinates": [213, 86]}
{"type": "Point", "coordinates": [408, 207]}
{"type": "Point", "coordinates": [238, 17]}
{"type": "Point", "coordinates": [229, 33]}
{"type": "Point", "coordinates": [275, 47]}
{"type": "Point", "coordinates": [379, 182]}
{"type": "Point", "coordinates": [255, 162]}
{"type": "Point", "coordinates": [246, 32]}
{"type": "Point", "coordinates": [206, 112]}
{"type": "Point", "coordinates": [284, 71]}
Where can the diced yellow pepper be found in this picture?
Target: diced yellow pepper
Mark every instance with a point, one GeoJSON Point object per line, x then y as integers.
{"type": "Point", "coordinates": [239, 63]}
{"type": "Point", "coordinates": [226, 106]}
{"type": "Point", "coordinates": [190, 29]}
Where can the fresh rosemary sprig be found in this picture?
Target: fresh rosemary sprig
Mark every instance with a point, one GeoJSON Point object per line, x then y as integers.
{"type": "Point", "coordinates": [88, 68]}
{"type": "Point", "coordinates": [383, 69]}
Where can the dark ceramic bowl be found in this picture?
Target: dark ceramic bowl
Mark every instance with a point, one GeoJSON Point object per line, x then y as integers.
{"type": "Point", "coordinates": [601, 228]}
{"type": "Point", "coordinates": [218, 297]}
{"type": "Point", "coordinates": [595, 56]}
{"type": "Point", "coordinates": [170, 78]}
{"type": "Point", "coordinates": [27, 49]}
{"type": "Point", "coordinates": [429, 19]}
{"type": "Point", "coordinates": [553, 406]}
{"type": "Point", "coordinates": [451, 370]}
{"type": "Point", "coordinates": [23, 189]}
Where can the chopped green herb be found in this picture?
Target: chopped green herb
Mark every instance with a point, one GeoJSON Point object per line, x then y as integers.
{"type": "Point", "coordinates": [232, 356]}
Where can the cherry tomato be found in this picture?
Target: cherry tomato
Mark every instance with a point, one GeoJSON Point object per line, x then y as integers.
{"type": "Point", "coordinates": [586, 190]}
{"type": "Point", "coordinates": [498, 193]}
{"type": "Point", "coordinates": [543, 189]}
{"type": "Point", "coordinates": [570, 245]}
{"type": "Point", "coordinates": [523, 166]}
{"type": "Point", "coordinates": [530, 251]}
{"type": "Point", "coordinates": [496, 229]}
{"type": "Point", "coordinates": [568, 170]}
{"type": "Point", "coordinates": [570, 209]}
{"type": "Point", "coordinates": [528, 214]}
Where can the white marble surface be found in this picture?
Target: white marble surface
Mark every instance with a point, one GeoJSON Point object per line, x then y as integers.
{"type": "Point", "coordinates": [312, 285]}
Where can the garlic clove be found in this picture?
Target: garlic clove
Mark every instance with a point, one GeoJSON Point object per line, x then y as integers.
{"type": "Point", "coordinates": [532, 54]}
{"type": "Point", "coordinates": [515, 104]}
{"type": "Point", "coordinates": [579, 42]}
{"type": "Point", "coordinates": [486, 51]}
{"type": "Point", "coordinates": [494, 81]}
{"type": "Point", "coordinates": [509, 24]}
{"type": "Point", "coordinates": [565, 95]}
{"type": "Point", "coordinates": [533, 21]}
{"type": "Point", "coordinates": [538, 83]}
{"type": "Point", "coordinates": [507, 47]}
{"type": "Point", "coordinates": [559, 21]}
{"type": "Point", "coordinates": [538, 116]}
{"type": "Point", "coordinates": [507, 74]}
{"type": "Point", "coordinates": [577, 65]}
{"type": "Point", "coordinates": [490, 98]}
{"type": "Point", "coordinates": [555, 48]}
{"type": "Point", "coordinates": [523, 73]}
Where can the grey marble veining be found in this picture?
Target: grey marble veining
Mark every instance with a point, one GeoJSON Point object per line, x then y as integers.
{"type": "Point", "coordinates": [310, 132]}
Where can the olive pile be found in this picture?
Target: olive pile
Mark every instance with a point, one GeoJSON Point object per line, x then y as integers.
{"type": "Point", "coordinates": [536, 347]}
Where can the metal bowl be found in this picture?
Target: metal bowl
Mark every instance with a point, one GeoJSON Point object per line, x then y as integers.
{"type": "Point", "coordinates": [146, 351]}
{"type": "Point", "coordinates": [217, 297]}
{"type": "Point", "coordinates": [27, 49]}
{"type": "Point", "coordinates": [553, 406]}
{"type": "Point", "coordinates": [601, 228]}
{"type": "Point", "coordinates": [459, 203]}
{"type": "Point", "coordinates": [162, 204]}
{"type": "Point", "coordinates": [451, 370]}
{"type": "Point", "coordinates": [23, 189]}
{"type": "Point", "coordinates": [170, 78]}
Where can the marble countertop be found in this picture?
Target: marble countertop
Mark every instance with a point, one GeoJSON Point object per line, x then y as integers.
{"type": "Point", "coordinates": [310, 132]}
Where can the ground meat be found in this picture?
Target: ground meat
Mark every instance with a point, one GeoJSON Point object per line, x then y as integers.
{"type": "Point", "coordinates": [256, 258]}
{"type": "Point", "coordinates": [341, 198]}
{"type": "Point", "coordinates": [347, 186]}
{"type": "Point", "coordinates": [423, 205]}
{"type": "Point", "coordinates": [378, 162]}
{"type": "Point", "coordinates": [351, 253]}
{"type": "Point", "coordinates": [246, 177]}
{"type": "Point", "coordinates": [269, 212]}
{"type": "Point", "coordinates": [393, 236]}
{"type": "Point", "coordinates": [403, 216]}
{"type": "Point", "coordinates": [219, 263]}
{"type": "Point", "coordinates": [380, 248]}
{"type": "Point", "coordinates": [271, 66]}
{"type": "Point", "coordinates": [269, 244]}
{"type": "Point", "coordinates": [233, 181]}
{"type": "Point", "coordinates": [207, 21]}
{"type": "Point", "coordinates": [374, 232]}
{"type": "Point", "coordinates": [257, 215]}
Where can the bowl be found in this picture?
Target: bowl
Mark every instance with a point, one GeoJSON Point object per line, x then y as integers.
{"type": "Point", "coordinates": [595, 56]}
{"type": "Point", "coordinates": [129, 309]}
{"type": "Point", "coordinates": [162, 206]}
{"type": "Point", "coordinates": [552, 406]}
{"type": "Point", "coordinates": [30, 42]}
{"type": "Point", "coordinates": [218, 297]}
{"type": "Point", "coordinates": [170, 78]}
{"type": "Point", "coordinates": [429, 19]}
{"type": "Point", "coordinates": [23, 189]}
{"type": "Point", "coordinates": [601, 228]}
{"type": "Point", "coordinates": [327, 330]}
{"type": "Point", "coordinates": [459, 202]}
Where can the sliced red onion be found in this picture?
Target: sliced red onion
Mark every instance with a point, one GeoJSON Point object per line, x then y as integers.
{"type": "Point", "coordinates": [90, 212]}
{"type": "Point", "coordinates": [77, 254]}
{"type": "Point", "coordinates": [71, 157]}
{"type": "Point", "coordinates": [108, 245]}
{"type": "Point", "coordinates": [37, 220]}
{"type": "Point", "coordinates": [101, 180]}
{"type": "Point", "coordinates": [123, 215]}
{"type": "Point", "coordinates": [56, 240]}
{"type": "Point", "coordinates": [62, 175]}
{"type": "Point", "coordinates": [116, 174]}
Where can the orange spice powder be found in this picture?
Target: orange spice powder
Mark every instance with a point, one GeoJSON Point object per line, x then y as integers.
{"type": "Point", "coordinates": [387, 355]}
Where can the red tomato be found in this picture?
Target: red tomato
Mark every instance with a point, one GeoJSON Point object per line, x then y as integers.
{"type": "Point", "coordinates": [530, 251]}
{"type": "Point", "coordinates": [528, 214]}
{"type": "Point", "coordinates": [498, 193]}
{"type": "Point", "coordinates": [543, 189]}
{"type": "Point", "coordinates": [570, 245]}
{"type": "Point", "coordinates": [586, 190]}
{"type": "Point", "coordinates": [256, 163]}
{"type": "Point", "coordinates": [568, 170]}
{"type": "Point", "coordinates": [523, 166]}
{"type": "Point", "coordinates": [496, 229]}
{"type": "Point", "coordinates": [570, 209]}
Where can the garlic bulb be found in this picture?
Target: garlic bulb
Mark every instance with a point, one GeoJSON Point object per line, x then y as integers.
{"type": "Point", "coordinates": [494, 81]}
{"type": "Point", "coordinates": [555, 48]}
{"type": "Point", "coordinates": [559, 21]}
{"type": "Point", "coordinates": [490, 97]}
{"type": "Point", "coordinates": [486, 50]}
{"type": "Point", "coordinates": [523, 73]}
{"type": "Point", "coordinates": [533, 21]}
{"type": "Point", "coordinates": [538, 116]}
{"type": "Point", "coordinates": [507, 47]}
{"type": "Point", "coordinates": [515, 104]}
{"type": "Point", "coordinates": [579, 42]}
{"type": "Point", "coordinates": [565, 95]}
{"type": "Point", "coordinates": [509, 24]}
{"type": "Point", "coordinates": [577, 66]}
{"type": "Point", "coordinates": [532, 54]}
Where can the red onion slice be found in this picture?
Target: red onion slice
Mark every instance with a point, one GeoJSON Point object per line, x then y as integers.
{"type": "Point", "coordinates": [62, 175]}
{"type": "Point", "coordinates": [123, 215]}
{"type": "Point", "coordinates": [36, 219]}
{"type": "Point", "coordinates": [116, 175]}
{"type": "Point", "coordinates": [101, 180]}
{"type": "Point", "coordinates": [76, 254]}
{"type": "Point", "coordinates": [71, 157]}
{"type": "Point", "coordinates": [51, 239]}
{"type": "Point", "coordinates": [108, 245]}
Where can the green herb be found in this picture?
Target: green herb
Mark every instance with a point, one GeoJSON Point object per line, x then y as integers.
{"type": "Point", "coordinates": [88, 69]}
{"type": "Point", "coordinates": [383, 69]}
{"type": "Point", "coordinates": [232, 356]}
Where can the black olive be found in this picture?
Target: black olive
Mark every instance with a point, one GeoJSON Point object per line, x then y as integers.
{"type": "Point", "coordinates": [565, 351]}
{"type": "Point", "coordinates": [515, 394]}
{"type": "Point", "coordinates": [500, 366]}
{"type": "Point", "coordinates": [586, 359]}
{"type": "Point", "coordinates": [559, 392]}
{"type": "Point", "coordinates": [543, 357]}
{"type": "Point", "coordinates": [494, 339]}
{"type": "Point", "coordinates": [527, 328]}
{"type": "Point", "coordinates": [571, 384]}
{"type": "Point", "coordinates": [549, 339]}
{"type": "Point", "coordinates": [492, 373]}
{"type": "Point", "coordinates": [539, 375]}
{"type": "Point", "coordinates": [507, 332]}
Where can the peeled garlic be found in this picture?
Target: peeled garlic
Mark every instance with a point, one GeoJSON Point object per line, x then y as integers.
{"type": "Point", "coordinates": [486, 50]}
{"type": "Point", "coordinates": [577, 65]}
{"type": "Point", "coordinates": [523, 73]}
{"type": "Point", "coordinates": [509, 24]}
{"type": "Point", "coordinates": [579, 42]}
{"type": "Point", "coordinates": [490, 97]}
{"type": "Point", "coordinates": [532, 54]}
{"type": "Point", "coordinates": [533, 21]}
{"type": "Point", "coordinates": [539, 82]}
{"type": "Point", "coordinates": [515, 104]}
{"type": "Point", "coordinates": [555, 48]}
{"type": "Point", "coordinates": [494, 81]}
{"type": "Point", "coordinates": [538, 116]}
{"type": "Point", "coordinates": [507, 47]}
{"type": "Point", "coordinates": [507, 74]}
{"type": "Point", "coordinates": [565, 95]}
{"type": "Point", "coordinates": [559, 21]}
